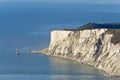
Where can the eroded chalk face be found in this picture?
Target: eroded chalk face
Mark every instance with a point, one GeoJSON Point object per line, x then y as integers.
{"type": "Point", "coordinates": [91, 47]}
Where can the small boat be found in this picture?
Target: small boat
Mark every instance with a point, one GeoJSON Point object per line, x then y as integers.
{"type": "Point", "coordinates": [17, 52]}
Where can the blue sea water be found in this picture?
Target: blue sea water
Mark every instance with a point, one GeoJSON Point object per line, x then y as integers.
{"type": "Point", "coordinates": [27, 26]}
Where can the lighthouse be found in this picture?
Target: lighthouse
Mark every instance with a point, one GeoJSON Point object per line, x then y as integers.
{"type": "Point", "coordinates": [17, 52]}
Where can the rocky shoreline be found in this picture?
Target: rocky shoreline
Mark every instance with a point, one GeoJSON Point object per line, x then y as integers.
{"type": "Point", "coordinates": [92, 47]}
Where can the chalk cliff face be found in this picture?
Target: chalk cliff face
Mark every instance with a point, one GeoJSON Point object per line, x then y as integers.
{"type": "Point", "coordinates": [91, 47]}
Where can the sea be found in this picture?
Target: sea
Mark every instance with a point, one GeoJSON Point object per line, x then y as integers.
{"type": "Point", "coordinates": [27, 26]}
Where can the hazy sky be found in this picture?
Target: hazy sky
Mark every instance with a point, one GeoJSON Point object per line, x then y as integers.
{"type": "Point", "coordinates": [69, 1]}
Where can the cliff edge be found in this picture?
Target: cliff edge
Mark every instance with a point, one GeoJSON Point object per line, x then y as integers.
{"type": "Point", "coordinates": [96, 47]}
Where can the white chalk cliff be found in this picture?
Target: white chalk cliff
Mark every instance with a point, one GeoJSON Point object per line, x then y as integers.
{"type": "Point", "coordinates": [91, 47]}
